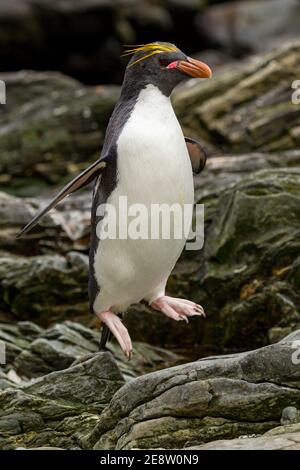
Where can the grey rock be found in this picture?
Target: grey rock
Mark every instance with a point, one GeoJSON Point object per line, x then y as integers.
{"type": "Point", "coordinates": [281, 438]}
{"type": "Point", "coordinates": [101, 377]}
{"type": "Point", "coordinates": [213, 398]}
{"type": "Point", "coordinates": [5, 382]}
{"type": "Point", "coordinates": [245, 108]}
{"type": "Point", "coordinates": [60, 407]}
{"type": "Point", "coordinates": [42, 358]}
{"type": "Point", "coordinates": [45, 141]}
{"type": "Point", "coordinates": [85, 38]}
{"type": "Point", "coordinates": [225, 171]}
{"type": "Point", "coordinates": [247, 26]}
{"type": "Point", "coordinates": [40, 286]}
{"type": "Point", "coordinates": [146, 358]}
{"type": "Point", "coordinates": [63, 344]}
{"type": "Point", "coordinates": [290, 415]}
{"type": "Point", "coordinates": [40, 448]}
{"type": "Point", "coordinates": [17, 337]}
{"type": "Point", "coordinates": [65, 229]}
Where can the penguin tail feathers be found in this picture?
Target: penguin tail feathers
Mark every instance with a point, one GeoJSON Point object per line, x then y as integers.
{"type": "Point", "coordinates": [78, 182]}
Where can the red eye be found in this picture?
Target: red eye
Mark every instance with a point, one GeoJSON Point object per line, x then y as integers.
{"type": "Point", "coordinates": [173, 65]}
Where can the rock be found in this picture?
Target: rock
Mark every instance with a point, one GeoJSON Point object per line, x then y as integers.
{"type": "Point", "coordinates": [50, 130]}
{"type": "Point", "coordinates": [42, 358]}
{"type": "Point", "coordinates": [101, 378]}
{"type": "Point", "coordinates": [257, 289]}
{"type": "Point", "coordinates": [64, 229]}
{"type": "Point", "coordinates": [44, 287]}
{"type": "Point", "coordinates": [224, 171]}
{"type": "Point", "coordinates": [47, 36]}
{"type": "Point", "coordinates": [213, 398]}
{"type": "Point", "coordinates": [5, 382]}
{"type": "Point", "coordinates": [244, 26]}
{"type": "Point", "coordinates": [13, 377]}
{"type": "Point", "coordinates": [290, 415]}
{"type": "Point", "coordinates": [62, 407]}
{"type": "Point", "coordinates": [146, 358]}
{"type": "Point", "coordinates": [59, 408]}
{"type": "Point", "coordinates": [85, 38]}
{"type": "Point", "coordinates": [41, 448]}
{"type": "Point", "coordinates": [64, 344]}
{"type": "Point", "coordinates": [247, 107]}
{"type": "Point", "coordinates": [17, 337]}
{"type": "Point", "coordinates": [281, 438]}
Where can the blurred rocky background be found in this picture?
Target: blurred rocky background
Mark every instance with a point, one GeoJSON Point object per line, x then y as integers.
{"type": "Point", "coordinates": [85, 38]}
{"type": "Point", "coordinates": [62, 65]}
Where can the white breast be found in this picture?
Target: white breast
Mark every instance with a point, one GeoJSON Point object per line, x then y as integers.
{"type": "Point", "coordinates": [153, 167]}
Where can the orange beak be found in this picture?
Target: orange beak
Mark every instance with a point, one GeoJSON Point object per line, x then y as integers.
{"type": "Point", "coordinates": [194, 68]}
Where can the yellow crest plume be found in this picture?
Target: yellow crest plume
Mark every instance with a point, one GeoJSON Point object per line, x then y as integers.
{"type": "Point", "coordinates": [152, 48]}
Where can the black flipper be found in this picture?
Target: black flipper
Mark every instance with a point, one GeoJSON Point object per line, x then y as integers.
{"type": "Point", "coordinates": [79, 181]}
{"type": "Point", "coordinates": [197, 154]}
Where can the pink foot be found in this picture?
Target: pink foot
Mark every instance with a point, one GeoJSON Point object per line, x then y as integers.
{"type": "Point", "coordinates": [178, 309]}
{"type": "Point", "coordinates": [118, 330]}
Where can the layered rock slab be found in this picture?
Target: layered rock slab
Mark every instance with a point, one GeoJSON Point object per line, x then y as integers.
{"type": "Point", "coordinates": [213, 398]}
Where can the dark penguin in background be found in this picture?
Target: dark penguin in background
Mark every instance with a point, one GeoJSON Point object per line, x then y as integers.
{"type": "Point", "coordinates": [146, 158]}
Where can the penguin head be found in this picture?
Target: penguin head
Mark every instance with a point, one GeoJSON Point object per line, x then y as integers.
{"type": "Point", "coordinates": [162, 64]}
